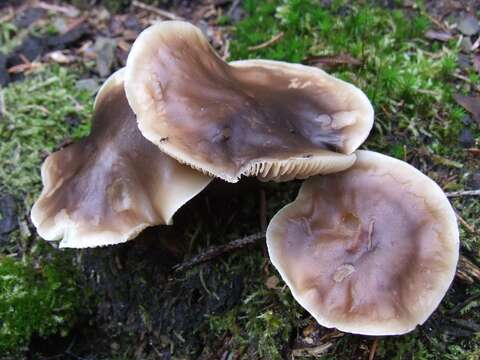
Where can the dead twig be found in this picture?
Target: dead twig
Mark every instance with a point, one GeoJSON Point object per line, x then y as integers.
{"type": "Point", "coordinates": [373, 350]}
{"type": "Point", "coordinates": [20, 68]}
{"type": "Point", "coordinates": [467, 271]}
{"type": "Point", "coordinates": [465, 223]}
{"type": "Point", "coordinates": [68, 10]}
{"type": "Point", "coordinates": [463, 193]}
{"type": "Point", "coordinates": [267, 43]}
{"type": "Point", "coordinates": [226, 51]}
{"type": "Point", "coordinates": [330, 61]}
{"type": "Point", "coordinates": [463, 304]}
{"type": "Point", "coordinates": [233, 7]}
{"type": "Point", "coordinates": [438, 23]}
{"type": "Point", "coordinates": [157, 11]}
{"type": "Point", "coordinates": [216, 251]}
{"type": "Point", "coordinates": [8, 16]}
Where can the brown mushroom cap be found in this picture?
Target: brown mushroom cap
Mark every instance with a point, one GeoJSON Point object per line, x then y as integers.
{"type": "Point", "coordinates": [371, 250]}
{"type": "Point", "coordinates": [270, 119]}
{"type": "Point", "coordinates": [108, 187]}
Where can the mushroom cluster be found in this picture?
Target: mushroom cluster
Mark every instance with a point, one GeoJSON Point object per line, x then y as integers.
{"type": "Point", "coordinates": [370, 244]}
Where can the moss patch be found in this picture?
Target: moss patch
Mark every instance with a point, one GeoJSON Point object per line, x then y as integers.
{"type": "Point", "coordinates": [38, 115]}
{"type": "Point", "coordinates": [41, 295]}
{"type": "Point", "coordinates": [410, 82]}
{"type": "Point", "coordinates": [36, 301]}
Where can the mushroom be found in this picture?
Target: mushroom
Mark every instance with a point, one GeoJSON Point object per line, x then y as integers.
{"type": "Point", "coordinates": [108, 187]}
{"type": "Point", "coordinates": [269, 119]}
{"type": "Point", "coordinates": [371, 250]}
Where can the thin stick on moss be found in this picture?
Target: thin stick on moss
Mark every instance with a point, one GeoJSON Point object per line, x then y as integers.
{"type": "Point", "coordinates": [267, 43]}
{"type": "Point", "coordinates": [467, 226]}
{"type": "Point", "coordinates": [215, 251]}
{"type": "Point", "coordinates": [463, 193]}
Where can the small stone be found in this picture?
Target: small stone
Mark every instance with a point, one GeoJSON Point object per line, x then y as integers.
{"type": "Point", "coordinates": [60, 25]}
{"type": "Point", "coordinates": [8, 214]}
{"type": "Point", "coordinates": [27, 17]}
{"type": "Point", "coordinates": [60, 57]}
{"type": "Point", "coordinates": [24, 229]}
{"type": "Point", "coordinates": [466, 45]}
{"type": "Point", "coordinates": [464, 61]}
{"type": "Point", "coordinates": [308, 340]}
{"type": "Point", "coordinates": [4, 77]}
{"type": "Point", "coordinates": [474, 181]}
{"type": "Point", "coordinates": [466, 138]}
{"type": "Point", "coordinates": [103, 14]}
{"type": "Point", "coordinates": [467, 119]}
{"type": "Point", "coordinates": [105, 51]}
{"type": "Point", "coordinates": [438, 35]}
{"type": "Point", "coordinates": [476, 63]}
{"type": "Point", "coordinates": [87, 84]}
{"type": "Point", "coordinates": [469, 25]}
{"type": "Point", "coordinates": [272, 282]}
{"type": "Point", "coordinates": [132, 23]}
{"type": "Point", "coordinates": [73, 120]}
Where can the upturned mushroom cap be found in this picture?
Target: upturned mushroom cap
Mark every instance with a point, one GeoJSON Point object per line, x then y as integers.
{"type": "Point", "coordinates": [371, 250]}
{"type": "Point", "coordinates": [110, 186]}
{"type": "Point", "coordinates": [270, 119]}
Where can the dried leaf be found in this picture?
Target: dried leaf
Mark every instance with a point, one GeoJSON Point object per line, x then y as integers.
{"type": "Point", "coordinates": [329, 61]}
{"type": "Point", "coordinates": [471, 104]}
{"type": "Point", "coordinates": [311, 351]}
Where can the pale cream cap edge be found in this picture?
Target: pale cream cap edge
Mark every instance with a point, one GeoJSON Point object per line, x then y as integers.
{"type": "Point", "coordinates": [436, 198]}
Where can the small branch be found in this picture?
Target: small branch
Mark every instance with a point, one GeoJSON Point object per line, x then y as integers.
{"type": "Point", "coordinates": [233, 7]}
{"type": "Point", "coordinates": [153, 9]}
{"type": "Point", "coordinates": [216, 251]}
{"type": "Point", "coordinates": [267, 43]}
{"type": "Point", "coordinates": [226, 50]}
{"type": "Point", "coordinates": [467, 271]}
{"type": "Point", "coordinates": [469, 227]}
{"type": "Point", "coordinates": [460, 306]}
{"type": "Point", "coordinates": [463, 193]}
{"type": "Point", "coordinates": [373, 349]}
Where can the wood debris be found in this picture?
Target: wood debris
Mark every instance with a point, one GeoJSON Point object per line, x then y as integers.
{"type": "Point", "coordinates": [276, 38]}
{"type": "Point", "coordinates": [330, 61]}
{"type": "Point", "coordinates": [162, 13]}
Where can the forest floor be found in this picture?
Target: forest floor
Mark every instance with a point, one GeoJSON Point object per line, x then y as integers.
{"type": "Point", "coordinates": [418, 62]}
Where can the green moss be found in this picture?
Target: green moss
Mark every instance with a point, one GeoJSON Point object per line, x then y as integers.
{"type": "Point", "coordinates": [411, 83]}
{"type": "Point", "coordinates": [406, 82]}
{"type": "Point", "coordinates": [41, 295]}
{"type": "Point", "coordinates": [265, 317]}
{"type": "Point", "coordinates": [36, 117]}
{"type": "Point", "coordinates": [41, 301]}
